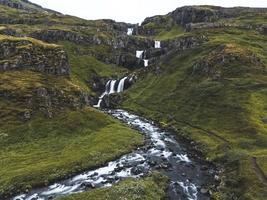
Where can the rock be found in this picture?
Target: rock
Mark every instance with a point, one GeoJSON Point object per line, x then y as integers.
{"type": "Point", "coordinates": [204, 190]}
{"type": "Point", "coordinates": [26, 5]}
{"type": "Point", "coordinates": [112, 100]}
{"type": "Point", "coordinates": [28, 55]}
{"type": "Point", "coordinates": [152, 163]}
{"type": "Point", "coordinates": [88, 185]}
{"type": "Point", "coordinates": [137, 170]}
{"type": "Point", "coordinates": [204, 168]}
{"type": "Point", "coordinates": [191, 14]}
{"type": "Point", "coordinates": [118, 169]}
{"type": "Point", "coordinates": [263, 29]}
{"type": "Point", "coordinates": [216, 177]}
{"type": "Point", "coordinates": [27, 115]}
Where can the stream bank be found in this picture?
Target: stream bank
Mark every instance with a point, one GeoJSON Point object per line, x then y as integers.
{"type": "Point", "coordinates": [189, 178]}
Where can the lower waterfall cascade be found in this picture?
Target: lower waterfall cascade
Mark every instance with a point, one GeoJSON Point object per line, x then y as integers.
{"type": "Point", "coordinates": [121, 85]}
{"type": "Point", "coordinates": [112, 86]}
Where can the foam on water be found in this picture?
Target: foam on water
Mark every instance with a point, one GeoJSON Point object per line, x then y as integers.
{"type": "Point", "coordinates": [133, 165]}
{"type": "Point", "coordinates": [157, 44]}
{"type": "Point", "coordinates": [146, 62]}
{"type": "Point", "coordinates": [139, 54]}
{"type": "Point", "coordinates": [130, 31]}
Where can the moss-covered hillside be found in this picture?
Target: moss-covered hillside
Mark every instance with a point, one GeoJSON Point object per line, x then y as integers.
{"type": "Point", "coordinates": [47, 129]}
{"type": "Point", "coordinates": [208, 83]}
{"type": "Point", "coordinates": [215, 94]}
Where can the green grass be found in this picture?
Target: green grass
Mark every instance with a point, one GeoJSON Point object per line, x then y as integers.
{"type": "Point", "coordinates": [84, 67]}
{"type": "Point", "coordinates": [176, 31]}
{"type": "Point", "coordinates": [150, 188]}
{"type": "Point", "coordinates": [226, 116]}
{"type": "Point", "coordinates": [33, 41]}
{"type": "Point", "coordinates": [43, 150]}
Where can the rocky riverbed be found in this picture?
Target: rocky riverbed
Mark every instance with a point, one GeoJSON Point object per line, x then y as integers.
{"type": "Point", "coordinates": [190, 178]}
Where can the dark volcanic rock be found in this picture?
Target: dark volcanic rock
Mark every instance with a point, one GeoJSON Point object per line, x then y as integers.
{"type": "Point", "coordinates": [24, 54]}
{"type": "Point", "coordinates": [191, 14]}
{"type": "Point", "coordinates": [25, 5]}
{"type": "Point", "coordinates": [113, 100]}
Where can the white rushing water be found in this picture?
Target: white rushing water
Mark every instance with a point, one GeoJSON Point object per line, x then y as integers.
{"type": "Point", "coordinates": [146, 62]}
{"type": "Point", "coordinates": [157, 44]}
{"type": "Point", "coordinates": [112, 87]}
{"type": "Point", "coordinates": [130, 31]}
{"type": "Point", "coordinates": [139, 54]}
{"type": "Point", "coordinates": [160, 150]}
{"type": "Point", "coordinates": [121, 85]}
{"type": "Point", "coordinates": [98, 105]}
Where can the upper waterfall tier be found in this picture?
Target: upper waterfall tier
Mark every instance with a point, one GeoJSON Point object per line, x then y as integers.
{"type": "Point", "coordinates": [157, 44]}
{"type": "Point", "coordinates": [139, 54]}
{"type": "Point", "coordinates": [130, 31]}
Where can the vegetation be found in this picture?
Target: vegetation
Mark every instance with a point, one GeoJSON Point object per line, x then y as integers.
{"type": "Point", "coordinates": [216, 95]}
{"type": "Point", "coordinates": [41, 151]}
{"type": "Point", "coordinates": [85, 67]}
{"type": "Point", "coordinates": [40, 43]}
{"type": "Point", "coordinates": [150, 188]}
{"type": "Point", "coordinates": [175, 31]}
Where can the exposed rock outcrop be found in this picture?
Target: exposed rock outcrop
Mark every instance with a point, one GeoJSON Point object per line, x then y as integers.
{"type": "Point", "coordinates": [263, 29]}
{"type": "Point", "coordinates": [192, 14]}
{"type": "Point", "coordinates": [25, 5]}
{"type": "Point", "coordinates": [25, 54]}
{"type": "Point", "coordinates": [216, 64]}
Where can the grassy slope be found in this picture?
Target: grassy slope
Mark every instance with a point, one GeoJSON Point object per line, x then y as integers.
{"type": "Point", "coordinates": [151, 188]}
{"type": "Point", "coordinates": [226, 116]}
{"type": "Point", "coordinates": [42, 150]}
{"type": "Point", "coordinates": [84, 66]}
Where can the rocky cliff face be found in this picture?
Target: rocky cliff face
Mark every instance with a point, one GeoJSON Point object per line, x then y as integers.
{"type": "Point", "coordinates": [216, 64]}
{"type": "Point", "coordinates": [190, 14]}
{"type": "Point", "coordinates": [198, 17]}
{"type": "Point", "coordinates": [24, 5]}
{"type": "Point", "coordinates": [35, 78]}
{"type": "Point", "coordinates": [24, 54]}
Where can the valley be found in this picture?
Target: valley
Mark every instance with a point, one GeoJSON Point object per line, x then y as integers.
{"type": "Point", "coordinates": [173, 108]}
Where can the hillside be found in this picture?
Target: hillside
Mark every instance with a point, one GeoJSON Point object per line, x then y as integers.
{"type": "Point", "coordinates": [207, 84]}
{"type": "Point", "coordinates": [47, 131]}
{"type": "Point", "coordinates": [214, 94]}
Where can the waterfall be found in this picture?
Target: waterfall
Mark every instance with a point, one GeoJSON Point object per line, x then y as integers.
{"type": "Point", "coordinates": [112, 87]}
{"type": "Point", "coordinates": [102, 96]}
{"type": "Point", "coordinates": [130, 31]}
{"type": "Point", "coordinates": [157, 45]}
{"type": "Point", "coordinates": [100, 101]}
{"type": "Point", "coordinates": [146, 62]}
{"type": "Point", "coordinates": [121, 85]}
{"type": "Point", "coordinates": [139, 54]}
{"type": "Point", "coordinates": [107, 87]}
